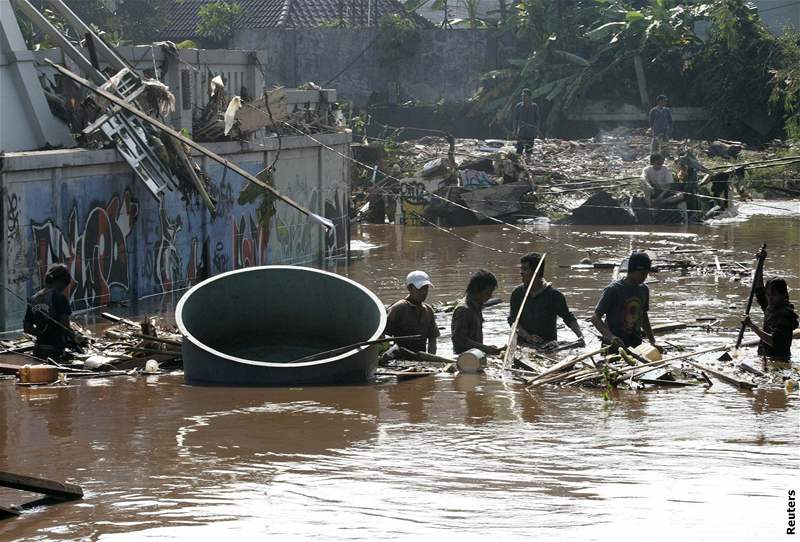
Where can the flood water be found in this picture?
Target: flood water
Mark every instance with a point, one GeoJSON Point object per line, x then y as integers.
{"type": "Point", "coordinates": [471, 455]}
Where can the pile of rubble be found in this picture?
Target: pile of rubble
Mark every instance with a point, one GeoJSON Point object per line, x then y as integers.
{"type": "Point", "coordinates": [587, 181]}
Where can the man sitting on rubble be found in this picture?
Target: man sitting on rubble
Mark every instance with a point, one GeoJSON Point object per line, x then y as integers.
{"type": "Point", "coordinates": [411, 316]}
{"type": "Point", "coordinates": [467, 325]}
{"type": "Point", "coordinates": [625, 305]}
{"type": "Point", "coordinates": [537, 325]}
{"type": "Point", "coordinates": [47, 316]}
{"type": "Point", "coordinates": [525, 123]}
{"type": "Point", "coordinates": [660, 190]}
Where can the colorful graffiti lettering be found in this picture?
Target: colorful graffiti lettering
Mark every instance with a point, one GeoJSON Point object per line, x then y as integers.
{"type": "Point", "coordinates": [97, 255]}
{"type": "Point", "coordinates": [250, 240]}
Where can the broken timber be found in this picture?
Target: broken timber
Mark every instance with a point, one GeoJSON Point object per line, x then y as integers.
{"type": "Point", "coordinates": [180, 137]}
{"type": "Point", "coordinates": [54, 492]}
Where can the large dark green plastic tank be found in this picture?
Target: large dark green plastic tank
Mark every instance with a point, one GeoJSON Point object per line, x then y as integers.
{"type": "Point", "coordinates": [244, 328]}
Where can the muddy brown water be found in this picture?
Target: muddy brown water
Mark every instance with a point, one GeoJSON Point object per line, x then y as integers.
{"type": "Point", "coordinates": [473, 455]}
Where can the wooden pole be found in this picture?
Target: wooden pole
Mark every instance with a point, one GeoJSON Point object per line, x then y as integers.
{"type": "Point", "coordinates": [511, 346]}
{"type": "Point", "coordinates": [564, 365]}
{"type": "Point", "coordinates": [344, 349]}
{"type": "Point", "coordinates": [759, 271]}
{"type": "Point", "coordinates": [327, 224]}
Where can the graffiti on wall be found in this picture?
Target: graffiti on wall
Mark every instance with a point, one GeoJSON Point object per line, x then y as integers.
{"type": "Point", "coordinates": [168, 262]}
{"type": "Point", "coordinates": [250, 240]}
{"type": "Point", "coordinates": [415, 196]}
{"type": "Point", "coordinates": [96, 254]}
{"type": "Point", "coordinates": [12, 218]}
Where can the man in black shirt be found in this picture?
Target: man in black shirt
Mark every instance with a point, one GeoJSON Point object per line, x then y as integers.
{"type": "Point", "coordinates": [525, 123]}
{"type": "Point", "coordinates": [625, 305]}
{"type": "Point", "coordinates": [537, 325]}
{"type": "Point", "coordinates": [47, 316]}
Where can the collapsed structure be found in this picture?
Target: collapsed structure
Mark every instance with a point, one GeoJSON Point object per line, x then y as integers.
{"type": "Point", "coordinates": [112, 179]}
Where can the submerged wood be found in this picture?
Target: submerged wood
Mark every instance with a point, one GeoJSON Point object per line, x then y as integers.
{"type": "Point", "coordinates": [51, 488]}
{"type": "Point", "coordinates": [565, 365]}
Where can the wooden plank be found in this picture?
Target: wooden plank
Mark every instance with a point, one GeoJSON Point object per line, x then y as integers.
{"type": "Point", "coordinates": [118, 320]}
{"type": "Point", "coordinates": [8, 512]}
{"type": "Point", "coordinates": [668, 326]}
{"type": "Point", "coordinates": [405, 375]}
{"type": "Point", "coordinates": [51, 488]}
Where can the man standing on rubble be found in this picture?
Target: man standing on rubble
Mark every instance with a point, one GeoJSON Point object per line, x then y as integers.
{"type": "Point", "coordinates": [660, 126]}
{"type": "Point", "coordinates": [526, 123]}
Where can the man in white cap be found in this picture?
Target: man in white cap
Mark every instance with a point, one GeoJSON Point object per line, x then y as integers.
{"type": "Point", "coordinates": [411, 316]}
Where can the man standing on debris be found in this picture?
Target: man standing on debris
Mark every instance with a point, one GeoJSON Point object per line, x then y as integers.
{"type": "Point", "coordinates": [625, 305]}
{"type": "Point", "coordinates": [537, 325]}
{"type": "Point", "coordinates": [660, 126]}
{"type": "Point", "coordinates": [526, 123]}
{"type": "Point", "coordinates": [411, 316]}
{"type": "Point", "coordinates": [467, 326]}
{"type": "Point", "coordinates": [47, 317]}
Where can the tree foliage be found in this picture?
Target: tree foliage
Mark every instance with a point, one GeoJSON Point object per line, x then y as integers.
{"type": "Point", "coordinates": [398, 39]}
{"type": "Point", "coordinates": [137, 21]}
{"type": "Point", "coordinates": [573, 50]}
{"type": "Point", "coordinates": [218, 19]}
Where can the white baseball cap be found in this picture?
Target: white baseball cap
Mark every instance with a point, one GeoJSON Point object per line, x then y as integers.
{"type": "Point", "coordinates": [418, 279]}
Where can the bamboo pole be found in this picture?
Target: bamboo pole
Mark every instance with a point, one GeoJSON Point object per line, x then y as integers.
{"type": "Point", "coordinates": [564, 366]}
{"type": "Point", "coordinates": [511, 346]}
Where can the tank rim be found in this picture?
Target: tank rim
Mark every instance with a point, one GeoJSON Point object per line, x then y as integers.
{"type": "Point", "coordinates": [197, 343]}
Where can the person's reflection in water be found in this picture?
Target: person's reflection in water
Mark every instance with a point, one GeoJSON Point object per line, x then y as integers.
{"type": "Point", "coordinates": [413, 397]}
{"type": "Point", "coordinates": [530, 404]}
{"type": "Point", "coordinates": [765, 400]}
{"type": "Point", "coordinates": [478, 402]}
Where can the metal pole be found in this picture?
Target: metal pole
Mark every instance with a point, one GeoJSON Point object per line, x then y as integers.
{"type": "Point", "coordinates": [82, 28]}
{"type": "Point", "coordinates": [70, 50]}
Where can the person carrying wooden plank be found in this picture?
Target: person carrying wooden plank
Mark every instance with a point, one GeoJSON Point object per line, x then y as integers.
{"type": "Point", "coordinates": [780, 318]}
{"type": "Point", "coordinates": [412, 316]}
{"type": "Point", "coordinates": [537, 325]}
{"type": "Point", "coordinates": [47, 315]}
{"type": "Point", "coordinates": [467, 324]}
{"type": "Point", "coordinates": [625, 305]}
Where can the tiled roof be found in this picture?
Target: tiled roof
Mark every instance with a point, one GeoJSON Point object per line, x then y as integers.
{"type": "Point", "coordinates": [183, 18]}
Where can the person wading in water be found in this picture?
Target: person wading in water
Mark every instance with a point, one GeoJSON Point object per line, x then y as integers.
{"type": "Point", "coordinates": [47, 316]}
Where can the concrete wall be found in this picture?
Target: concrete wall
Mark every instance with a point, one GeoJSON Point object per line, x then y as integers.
{"type": "Point", "coordinates": [86, 209]}
{"type": "Point", "coordinates": [447, 65]}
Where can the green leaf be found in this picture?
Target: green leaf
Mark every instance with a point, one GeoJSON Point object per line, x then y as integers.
{"type": "Point", "coordinates": [633, 16]}
{"type": "Point", "coordinates": [570, 58]}
{"type": "Point", "coordinates": [602, 32]}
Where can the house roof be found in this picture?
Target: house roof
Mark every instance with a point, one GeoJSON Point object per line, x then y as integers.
{"type": "Point", "coordinates": [184, 18]}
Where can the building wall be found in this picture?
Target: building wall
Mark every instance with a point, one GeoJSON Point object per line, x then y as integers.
{"type": "Point", "coordinates": [85, 208]}
{"type": "Point", "coordinates": [448, 63]}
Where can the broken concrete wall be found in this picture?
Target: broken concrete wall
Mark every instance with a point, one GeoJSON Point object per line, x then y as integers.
{"type": "Point", "coordinates": [86, 209]}
{"type": "Point", "coordinates": [448, 63]}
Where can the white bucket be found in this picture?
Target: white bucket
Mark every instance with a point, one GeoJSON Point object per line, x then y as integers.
{"type": "Point", "coordinates": [151, 366]}
{"type": "Point", "coordinates": [471, 361]}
